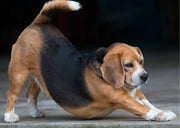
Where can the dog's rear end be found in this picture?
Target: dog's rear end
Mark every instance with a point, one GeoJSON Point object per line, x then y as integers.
{"type": "Point", "coordinates": [27, 49]}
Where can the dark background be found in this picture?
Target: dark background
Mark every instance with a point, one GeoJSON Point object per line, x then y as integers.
{"type": "Point", "coordinates": [149, 24]}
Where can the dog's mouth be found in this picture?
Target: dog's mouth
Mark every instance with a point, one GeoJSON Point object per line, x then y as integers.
{"type": "Point", "coordinates": [129, 86]}
{"type": "Point", "coordinates": [133, 85]}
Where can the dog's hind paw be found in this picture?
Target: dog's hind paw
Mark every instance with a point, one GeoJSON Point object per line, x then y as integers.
{"type": "Point", "coordinates": [37, 114]}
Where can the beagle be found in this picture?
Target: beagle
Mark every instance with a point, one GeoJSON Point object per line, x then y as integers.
{"type": "Point", "coordinates": [87, 85]}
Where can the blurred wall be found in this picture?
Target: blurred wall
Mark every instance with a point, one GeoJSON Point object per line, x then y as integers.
{"type": "Point", "coordinates": [152, 24]}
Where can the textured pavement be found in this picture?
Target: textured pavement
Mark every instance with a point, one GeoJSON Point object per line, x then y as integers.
{"type": "Point", "coordinates": [162, 91]}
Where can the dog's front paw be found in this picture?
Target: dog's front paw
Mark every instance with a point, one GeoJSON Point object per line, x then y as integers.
{"type": "Point", "coordinates": [165, 116]}
{"type": "Point", "coordinates": [11, 117]}
{"type": "Point", "coordinates": [160, 115]}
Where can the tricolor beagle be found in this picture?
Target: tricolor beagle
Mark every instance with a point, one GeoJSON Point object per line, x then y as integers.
{"type": "Point", "coordinates": [90, 86]}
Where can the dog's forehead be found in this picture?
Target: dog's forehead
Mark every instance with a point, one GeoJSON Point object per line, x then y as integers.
{"type": "Point", "coordinates": [127, 51]}
{"type": "Point", "coordinates": [119, 47]}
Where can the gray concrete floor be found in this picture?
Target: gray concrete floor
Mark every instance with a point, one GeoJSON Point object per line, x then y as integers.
{"type": "Point", "coordinates": [162, 90]}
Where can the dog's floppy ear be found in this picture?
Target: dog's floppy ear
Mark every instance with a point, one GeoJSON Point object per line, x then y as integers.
{"type": "Point", "coordinates": [140, 53]}
{"type": "Point", "coordinates": [112, 70]}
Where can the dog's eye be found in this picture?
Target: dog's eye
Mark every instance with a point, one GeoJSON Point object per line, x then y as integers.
{"type": "Point", "coordinates": [141, 62]}
{"type": "Point", "coordinates": [129, 65]}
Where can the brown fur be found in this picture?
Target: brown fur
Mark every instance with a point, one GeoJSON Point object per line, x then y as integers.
{"type": "Point", "coordinates": [113, 71]}
{"type": "Point", "coordinates": [107, 97]}
{"type": "Point", "coordinates": [33, 90]}
{"type": "Point", "coordinates": [24, 61]}
{"type": "Point", "coordinates": [139, 95]}
{"type": "Point", "coordinates": [127, 54]}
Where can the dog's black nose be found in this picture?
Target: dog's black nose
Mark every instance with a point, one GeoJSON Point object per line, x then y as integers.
{"type": "Point", "coordinates": [144, 76]}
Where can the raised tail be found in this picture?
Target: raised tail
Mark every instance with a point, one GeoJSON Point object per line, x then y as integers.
{"type": "Point", "coordinates": [52, 7]}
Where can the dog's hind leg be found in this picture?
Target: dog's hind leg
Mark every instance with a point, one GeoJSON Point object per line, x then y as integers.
{"type": "Point", "coordinates": [32, 94]}
{"type": "Point", "coordinates": [17, 79]}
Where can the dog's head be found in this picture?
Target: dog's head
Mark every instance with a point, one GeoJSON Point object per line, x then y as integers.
{"type": "Point", "coordinates": [120, 64]}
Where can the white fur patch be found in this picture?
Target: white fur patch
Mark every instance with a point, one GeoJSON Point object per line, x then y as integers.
{"type": "Point", "coordinates": [148, 104]}
{"type": "Point", "coordinates": [74, 5]}
{"type": "Point", "coordinates": [11, 117]}
{"type": "Point", "coordinates": [34, 112]}
{"type": "Point", "coordinates": [131, 91]}
{"type": "Point", "coordinates": [136, 77]}
{"type": "Point", "coordinates": [37, 81]}
{"type": "Point", "coordinates": [151, 114]}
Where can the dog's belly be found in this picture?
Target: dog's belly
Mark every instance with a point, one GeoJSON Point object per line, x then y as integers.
{"type": "Point", "coordinates": [94, 110]}
{"type": "Point", "coordinates": [103, 113]}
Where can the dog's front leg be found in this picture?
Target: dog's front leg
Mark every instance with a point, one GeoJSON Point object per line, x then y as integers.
{"type": "Point", "coordinates": [161, 115]}
{"type": "Point", "coordinates": [123, 100]}
{"type": "Point", "coordinates": [130, 104]}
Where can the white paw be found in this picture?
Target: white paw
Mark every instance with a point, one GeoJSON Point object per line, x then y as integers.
{"type": "Point", "coordinates": [37, 114]}
{"type": "Point", "coordinates": [34, 111]}
{"type": "Point", "coordinates": [74, 5]}
{"type": "Point", "coordinates": [11, 117]}
{"type": "Point", "coordinates": [151, 114]}
{"type": "Point", "coordinates": [165, 116]}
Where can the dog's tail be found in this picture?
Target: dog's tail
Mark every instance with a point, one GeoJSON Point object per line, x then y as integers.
{"type": "Point", "coordinates": [52, 7]}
